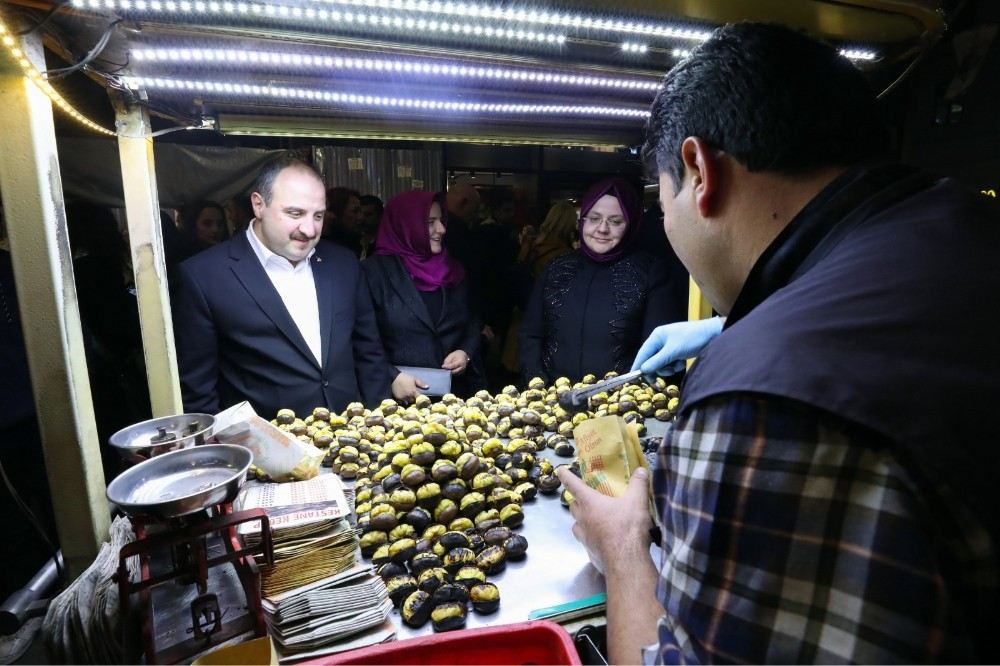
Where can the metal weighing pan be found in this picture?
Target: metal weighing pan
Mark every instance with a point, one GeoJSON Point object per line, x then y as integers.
{"type": "Point", "coordinates": [145, 440]}
{"type": "Point", "coordinates": [182, 482]}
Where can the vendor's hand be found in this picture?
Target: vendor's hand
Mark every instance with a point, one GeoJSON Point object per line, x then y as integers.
{"type": "Point", "coordinates": [456, 362]}
{"type": "Point", "coordinates": [613, 529]}
{"type": "Point", "coordinates": [669, 346]}
{"type": "Point", "coordinates": [406, 387]}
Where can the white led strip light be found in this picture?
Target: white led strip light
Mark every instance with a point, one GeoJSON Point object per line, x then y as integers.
{"type": "Point", "coordinates": [858, 54]}
{"type": "Point", "coordinates": [313, 95]}
{"type": "Point", "coordinates": [359, 19]}
{"type": "Point", "coordinates": [531, 17]}
{"type": "Point", "coordinates": [629, 47]}
{"type": "Point", "coordinates": [240, 57]}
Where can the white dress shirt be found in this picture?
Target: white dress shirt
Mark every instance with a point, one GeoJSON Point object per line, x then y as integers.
{"type": "Point", "coordinates": [297, 288]}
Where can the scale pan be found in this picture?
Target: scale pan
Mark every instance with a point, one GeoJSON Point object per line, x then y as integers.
{"type": "Point", "coordinates": [182, 482]}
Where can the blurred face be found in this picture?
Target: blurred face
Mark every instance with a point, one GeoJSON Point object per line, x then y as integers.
{"type": "Point", "coordinates": [352, 214]}
{"type": "Point", "coordinates": [209, 225]}
{"type": "Point", "coordinates": [369, 217]}
{"type": "Point", "coordinates": [604, 225]}
{"type": "Point", "coordinates": [435, 227]}
{"type": "Point", "coordinates": [291, 225]}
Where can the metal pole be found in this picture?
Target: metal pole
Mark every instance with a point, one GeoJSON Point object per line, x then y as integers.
{"type": "Point", "coordinates": [698, 305]}
{"type": "Point", "coordinates": [142, 208]}
{"type": "Point", "coordinates": [43, 267]}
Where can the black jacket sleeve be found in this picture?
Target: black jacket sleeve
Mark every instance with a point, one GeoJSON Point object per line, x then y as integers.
{"type": "Point", "coordinates": [375, 374]}
{"type": "Point", "coordinates": [532, 336]}
{"type": "Point", "coordinates": [197, 345]}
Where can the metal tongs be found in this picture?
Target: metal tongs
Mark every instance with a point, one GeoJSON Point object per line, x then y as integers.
{"type": "Point", "coordinates": [577, 400]}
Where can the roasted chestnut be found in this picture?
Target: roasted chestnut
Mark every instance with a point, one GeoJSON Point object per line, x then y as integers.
{"type": "Point", "coordinates": [382, 517]}
{"type": "Point", "coordinates": [469, 576]}
{"type": "Point", "coordinates": [401, 551]}
{"type": "Point", "coordinates": [403, 499]}
{"type": "Point", "coordinates": [370, 541]}
{"type": "Point", "coordinates": [511, 515]}
{"type": "Point", "coordinates": [450, 540]}
{"type": "Point", "coordinates": [381, 555]}
{"type": "Point", "coordinates": [564, 449]}
{"type": "Point", "coordinates": [443, 470]}
{"type": "Point", "coordinates": [458, 558]}
{"type": "Point", "coordinates": [428, 495]}
{"type": "Point", "coordinates": [472, 504]}
{"type": "Point", "coordinates": [433, 532]}
{"type": "Point", "coordinates": [423, 561]}
{"type": "Point", "coordinates": [492, 560]}
{"type": "Point", "coordinates": [400, 587]}
{"type": "Point", "coordinates": [419, 518]}
{"type": "Point", "coordinates": [451, 593]}
{"type": "Point", "coordinates": [548, 484]}
{"type": "Point", "coordinates": [526, 490]}
{"type": "Point", "coordinates": [461, 524]}
{"type": "Point", "coordinates": [416, 609]}
{"type": "Point", "coordinates": [403, 531]}
{"type": "Point", "coordinates": [515, 547]}
{"type": "Point", "coordinates": [390, 570]}
{"type": "Point", "coordinates": [454, 490]}
{"type": "Point", "coordinates": [449, 616]}
{"type": "Point", "coordinates": [485, 597]}
{"type": "Point", "coordinates": [431, 579]}
{"type": "Point", "coordinates": [445, 511]}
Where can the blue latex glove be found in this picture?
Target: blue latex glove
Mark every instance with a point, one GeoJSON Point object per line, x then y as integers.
{"type": "Point", "coordinates": [670, 346]}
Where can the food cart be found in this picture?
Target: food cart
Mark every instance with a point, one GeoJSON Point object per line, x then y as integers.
{"type": "Point", "coordinates": [574, 82]}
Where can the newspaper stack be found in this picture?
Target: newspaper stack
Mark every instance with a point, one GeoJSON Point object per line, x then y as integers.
{"type": "Point", "coordinates": [82, 625]}
{"type": "Point", "coordinates": [341, 612]}
{"type": "Point", "coordinates": [312, 538]}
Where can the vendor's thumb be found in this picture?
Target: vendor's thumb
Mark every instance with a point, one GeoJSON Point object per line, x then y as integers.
{"type": "Point", "coordinates": [638, 483]}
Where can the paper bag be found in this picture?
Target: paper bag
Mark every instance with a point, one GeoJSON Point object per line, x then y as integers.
{"type": "Point", "coordinates": [257, 651]}
{"type": "Point", "coordinates": [608, 450]}
{"type": "Point", "coordinates": [281, 455]}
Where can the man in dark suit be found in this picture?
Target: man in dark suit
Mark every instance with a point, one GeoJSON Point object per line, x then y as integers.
{"type": "Point", "coordinates": [277, 317]}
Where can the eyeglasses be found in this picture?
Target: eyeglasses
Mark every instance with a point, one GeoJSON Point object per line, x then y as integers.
{"type": "Point", "coordinates": [613, 222]}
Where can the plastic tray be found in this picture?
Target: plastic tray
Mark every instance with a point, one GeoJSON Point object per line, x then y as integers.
{"type": "Point", "coordinates": [537, 642]}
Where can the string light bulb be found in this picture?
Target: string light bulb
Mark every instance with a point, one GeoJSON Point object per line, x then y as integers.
{"type": "Point", "coordinates": [39, 80]}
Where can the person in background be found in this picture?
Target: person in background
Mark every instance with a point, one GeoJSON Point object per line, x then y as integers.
{"type": "Point", "coordinates": [277, 316]}
{"type": "Point", "coordinates": [591, 309]}
{"type": "Point", "coordinates": [343, 219]}
{"type": "Point", "coordinates": [463, 201]}
{"type": "Point", "coordinates": [554, 238]}
{"type": "Point", "coordinates": [371, 214]}
{"type": "Point", "coordinates": [420, 293]}
{"type": "Point", "coordinates": [239, 213]}
{"type": "Point", "coordinates": [827, 492]}
{"type": "Point", "coordinates": [204, 225]}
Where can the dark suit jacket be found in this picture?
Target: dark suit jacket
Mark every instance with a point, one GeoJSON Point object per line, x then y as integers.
{"type": "Point", "coordinates": [409, 335]}
{"type": "Point", "coordinates": [236, 340]}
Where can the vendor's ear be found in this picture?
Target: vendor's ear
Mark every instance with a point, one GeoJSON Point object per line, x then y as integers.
{"type": "Point", "coordinates": [702, 165]}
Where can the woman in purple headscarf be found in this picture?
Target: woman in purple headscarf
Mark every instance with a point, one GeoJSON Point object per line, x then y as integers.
{"type": "Point", "coordinates": [591, 309]}
{"type": "Point", "coordinates": [420, 293]}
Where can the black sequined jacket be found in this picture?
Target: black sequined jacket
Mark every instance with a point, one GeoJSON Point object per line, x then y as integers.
{"type": "Point", "coordinates": [589, 317]}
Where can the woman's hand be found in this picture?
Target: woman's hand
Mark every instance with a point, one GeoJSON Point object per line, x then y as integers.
{"type": "Point", "coordinates": [456, 362]}
{"type": "Point", "coordinates": [406, 388]}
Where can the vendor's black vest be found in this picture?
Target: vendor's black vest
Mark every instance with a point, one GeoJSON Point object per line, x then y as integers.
{"type": "Point", "coordinates": [878, 304]}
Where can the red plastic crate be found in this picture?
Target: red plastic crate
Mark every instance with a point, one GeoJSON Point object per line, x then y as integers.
{"type": "Point", "coordinates": [538, 642]}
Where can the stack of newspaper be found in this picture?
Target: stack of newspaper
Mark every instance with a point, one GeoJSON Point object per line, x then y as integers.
{"type": "Point", "coordinates": [317, 598]}
{"type": "Point", "coordinates": [82, 625]}
{"type": "Point", "coordinates": [342, 612]}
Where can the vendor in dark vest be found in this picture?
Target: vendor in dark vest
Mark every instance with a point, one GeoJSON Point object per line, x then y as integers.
{"type": "Point", "coordinates": [827, 491]}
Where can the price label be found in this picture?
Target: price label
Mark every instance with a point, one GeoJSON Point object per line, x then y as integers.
{"type": "Point", "coordinates": [417, 184]}
{"type": "Point", "coordinates": [403, 171]}
{"type": "Point", "coordinates": [354, 164]}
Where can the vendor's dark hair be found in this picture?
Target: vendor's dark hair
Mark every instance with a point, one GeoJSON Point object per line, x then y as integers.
{"type": "Point", "coordinates": [264, 185]}
{"type": "Point", "coordinates": [772, 98]}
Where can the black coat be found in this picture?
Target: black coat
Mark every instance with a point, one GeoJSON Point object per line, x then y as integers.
{"type": "Point", "coordinates": [236, 340]}
{"type": "Point", "coordinates": [409, 335]}
{"type": "Point", "coordinates": [589, 317]}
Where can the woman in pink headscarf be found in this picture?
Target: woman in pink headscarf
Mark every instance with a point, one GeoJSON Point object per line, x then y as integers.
{"type": "Point", "coordinates": [420, 293]}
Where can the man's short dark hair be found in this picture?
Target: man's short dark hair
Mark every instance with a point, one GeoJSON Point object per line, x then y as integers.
{"type": "Point", "coordinates": [264, 185]}
{"type": "Point", "coordinates": [337, 199]}
{"type": "Point", "coordinates": [372, 200]}
{"type": "Point", "coordinates": [772, 98]}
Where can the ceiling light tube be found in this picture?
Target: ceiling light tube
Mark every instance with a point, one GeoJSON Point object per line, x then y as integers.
{"type": "Point", "coordinates": [556, 19]}
{"type": "Point", "coordinates": [277, 60]}
{"type": "Point", "coordinates": [361, 19]}
{"type": "Point", "coordinates": [351, 99]}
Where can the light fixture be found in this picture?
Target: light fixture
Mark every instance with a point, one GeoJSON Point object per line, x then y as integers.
{"type": "Point", "coordinates": [360, 100]}
{"type": "Point", "coordinates": [630, 47]}
{"type": "Point", "coordinates": [274, 59]}
{"type": "Point", "coordinates": [361, 19]}
{"type": "Point", "coordinates": [510, 14]}
{"type": "Point", "coordinates": [680, 53]}
{"type": "Point", "coordinates": [39, 80]}
{"type": "Point", "coordinates": [858, 54]}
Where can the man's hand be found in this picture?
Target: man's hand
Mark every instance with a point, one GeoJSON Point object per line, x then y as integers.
{"type": "Point", "coordinates": [614, 530]}
{"type": "Point", "coordinates": [406, 387]}
{"type": "Point", "coordinates": [668, 347]}
{"type": "Point", "coordinates": [456, 362]}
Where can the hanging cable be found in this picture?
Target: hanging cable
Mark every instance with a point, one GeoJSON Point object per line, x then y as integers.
{"type": "Point", "coordinates": [45, 19]}
{"type": "Point", "coordinates": [86, 60]}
